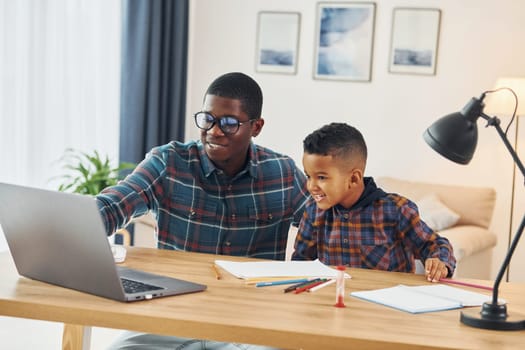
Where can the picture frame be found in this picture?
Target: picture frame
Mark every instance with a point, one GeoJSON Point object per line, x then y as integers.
{"type": "Point", "coordinates": [277, 45]}
{"type": "Point", "coordinates": [344, 41]}
{"type": "Point", "coordinates": [414, 41]}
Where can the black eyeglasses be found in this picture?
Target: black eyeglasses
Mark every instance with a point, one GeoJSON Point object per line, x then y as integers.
{"type": "Point", "coordinates": [227, 124]}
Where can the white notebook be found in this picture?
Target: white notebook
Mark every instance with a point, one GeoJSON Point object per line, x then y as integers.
{"type": "Point", "coordinates": [420, 299]}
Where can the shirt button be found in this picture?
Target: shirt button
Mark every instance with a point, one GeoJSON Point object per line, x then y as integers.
{"type": "Point", "coordinates": [345, 241]}
{"type": "Point", "coordinates": [234, 217]}
{"type": "Point", "coordinates": [192, 212]}
{"type": "Point", "coordinates": [345, 216]}
{"type": "Point", "coordinates": [229, 187]}
{"type": "Point", "coordinates": [228, 243]}
{"type": "Point", "coordinates": [270, 216]}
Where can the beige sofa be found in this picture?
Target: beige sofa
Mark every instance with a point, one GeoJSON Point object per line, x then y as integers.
{"type": "Point", "coordinates": [470, 236]}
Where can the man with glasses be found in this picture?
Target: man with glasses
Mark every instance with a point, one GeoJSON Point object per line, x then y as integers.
{"type": "Point", "coordinates": [222, 194]}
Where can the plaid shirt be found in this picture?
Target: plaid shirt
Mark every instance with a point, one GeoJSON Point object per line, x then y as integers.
{"type": "Point", "coordinates": [385, 234]}
{"type": "Point", "coordinates": [199, 208]}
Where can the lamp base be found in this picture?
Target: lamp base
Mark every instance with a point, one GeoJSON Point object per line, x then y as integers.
{"type": "Point", "coordinates": [493, 317]}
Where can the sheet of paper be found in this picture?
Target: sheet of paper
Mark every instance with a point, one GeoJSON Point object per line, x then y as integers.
{"type": "Point", "coordinates": [277, 269]}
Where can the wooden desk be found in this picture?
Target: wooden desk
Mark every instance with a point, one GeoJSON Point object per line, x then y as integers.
{"type": "Point", "coordinates": [234, 312]}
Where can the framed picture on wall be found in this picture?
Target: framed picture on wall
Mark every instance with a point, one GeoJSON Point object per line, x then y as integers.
{"type": "Point", "coordinates": [277, 42]}
{"type": "Point", "coordinates": [344, 41]}
{"type": "Point", "coordinates": [414, 43]}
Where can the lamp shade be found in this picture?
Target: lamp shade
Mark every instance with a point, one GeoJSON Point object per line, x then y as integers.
{"type": "Point", "coordinates": [455, 136]}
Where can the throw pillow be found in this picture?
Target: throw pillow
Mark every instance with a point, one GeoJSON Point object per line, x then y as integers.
{"type": "Point", "coordinates": [436, 214]}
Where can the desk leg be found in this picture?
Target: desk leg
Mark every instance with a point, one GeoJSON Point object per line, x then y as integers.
{"type": "Point", "coordinates": [76, 337]}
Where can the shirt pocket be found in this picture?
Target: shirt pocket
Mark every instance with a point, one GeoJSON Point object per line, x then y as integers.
{"type": "Point", "coordinates": [192, 205]}
{"type": "Point", "coordinates": [193, 222]}
{"type": "Point", "coordinates": [266, 215]}
{"type": "Point", "coordinates": [375, 251]}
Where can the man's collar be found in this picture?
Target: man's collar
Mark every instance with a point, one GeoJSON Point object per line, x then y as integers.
{"type": "Point", "coordinates": [208, 167]}
{"type": "Point", "coordinates": [253, 162]}
{"type": "Point", "coordinates": [206, 164]}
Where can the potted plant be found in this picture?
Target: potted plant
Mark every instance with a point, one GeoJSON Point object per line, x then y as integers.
{"type": "Point", "coordinates": [89, 173]}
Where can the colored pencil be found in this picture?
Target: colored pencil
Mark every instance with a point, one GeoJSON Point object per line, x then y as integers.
{"type": "Point", "coordinates": [299, 285]}
{"type": "Point", "coordinates": [216, 271]}
{"type": "Point", "coordinates": [281, 282]}
{"type": "Point", "coordinates": [308, 286]}
{"type": "Point", "coordinates": [255, 280]}
{"type": "Point", "coordinates": [322, 285]}
{"type": "Point", "coordinates": [466, 284]}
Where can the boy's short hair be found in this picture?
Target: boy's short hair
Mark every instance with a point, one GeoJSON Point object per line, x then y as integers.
{"type": "Point", "coordinates": [338, 140]}
{"type": "Point", "coordinates": [241, 87]}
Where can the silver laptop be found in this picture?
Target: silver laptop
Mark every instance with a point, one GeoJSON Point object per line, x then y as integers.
{"type": "Point", "coordinates": [59, 238]}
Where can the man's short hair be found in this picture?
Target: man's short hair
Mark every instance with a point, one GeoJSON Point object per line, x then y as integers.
{"type": "Point", "coordinates": [241, 87]}
{"type": "Point", "coordinates": [337, 140]}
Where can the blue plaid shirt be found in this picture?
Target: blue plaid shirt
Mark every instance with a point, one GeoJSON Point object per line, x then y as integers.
{"type": "Point", "coordinates": [198, 208]}
{"type": "Point", "coordinates": [383, 231]}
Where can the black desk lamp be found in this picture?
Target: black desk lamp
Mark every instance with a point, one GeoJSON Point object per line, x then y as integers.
{"type": "Point", "coordinates": [455, 137]}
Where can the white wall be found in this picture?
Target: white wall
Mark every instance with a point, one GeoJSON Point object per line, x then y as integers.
{"type": "Point", "coordinates": [479, 42]}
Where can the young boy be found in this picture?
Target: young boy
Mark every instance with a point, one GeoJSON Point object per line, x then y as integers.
{"type": "Point", "coordinates": [350, 221]}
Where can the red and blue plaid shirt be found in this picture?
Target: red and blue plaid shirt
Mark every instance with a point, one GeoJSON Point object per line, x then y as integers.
{"type": "Point", "coordinates": [385, 234]}
{"type": "Point", "coordinates": [198, 208]}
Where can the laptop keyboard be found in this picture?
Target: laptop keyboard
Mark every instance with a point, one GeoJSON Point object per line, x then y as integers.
{"type": "Point", "coordinates": [131, 287]}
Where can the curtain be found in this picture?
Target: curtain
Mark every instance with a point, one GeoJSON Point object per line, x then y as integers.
{"type": "Point", "coordinates": [59, 86]}
{"type": "Point", "coordinates": [154, 69]}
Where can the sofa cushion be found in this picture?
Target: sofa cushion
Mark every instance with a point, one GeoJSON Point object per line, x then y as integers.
{"type": "Point", "coordinates": [436, 214]}
{"type": "Point", "coordinates": [474, 204]}
{"type": "Point", "coordinates": [467, 240]}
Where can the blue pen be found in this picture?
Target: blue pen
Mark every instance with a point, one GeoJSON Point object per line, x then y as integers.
{"type": "Point", "coordinates": [277, 283]}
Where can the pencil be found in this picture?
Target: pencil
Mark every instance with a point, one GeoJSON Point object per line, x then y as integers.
{"type": "Point", "coordinates": [216, 271]}
{"type": "Point", "coordinates": [322, 285]}
{"type": "Point", "coordinates": [255, 280]}
{"type": "Point", "coordinates": [277, 283]}
{"type": "Point", "coordinates": [299, 285]}
{"type": "Point", "coordinates": [308, 286]}
{"type": "Point", "coordinates": [447, 280]}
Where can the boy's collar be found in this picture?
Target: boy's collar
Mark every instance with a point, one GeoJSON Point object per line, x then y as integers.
{"type": "Point", "coordinates": [370, 193]}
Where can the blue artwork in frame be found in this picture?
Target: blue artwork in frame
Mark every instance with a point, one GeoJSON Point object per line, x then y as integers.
{"type": "Point", "coordinates": [344, 41]}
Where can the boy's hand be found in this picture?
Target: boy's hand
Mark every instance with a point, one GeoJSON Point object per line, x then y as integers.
{"type": "Point", "coordinates": [435, 269]}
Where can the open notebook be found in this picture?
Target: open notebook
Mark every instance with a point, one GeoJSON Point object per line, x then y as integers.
{"type": "Point", "coordinates": [418, 299]}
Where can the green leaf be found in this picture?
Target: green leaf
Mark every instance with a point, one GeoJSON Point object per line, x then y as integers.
{"type": "Point", "coordinates": [89, 173]}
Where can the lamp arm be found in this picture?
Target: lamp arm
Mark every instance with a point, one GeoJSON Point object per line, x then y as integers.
{"type": "Point", "coordinates": [495, 122]}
